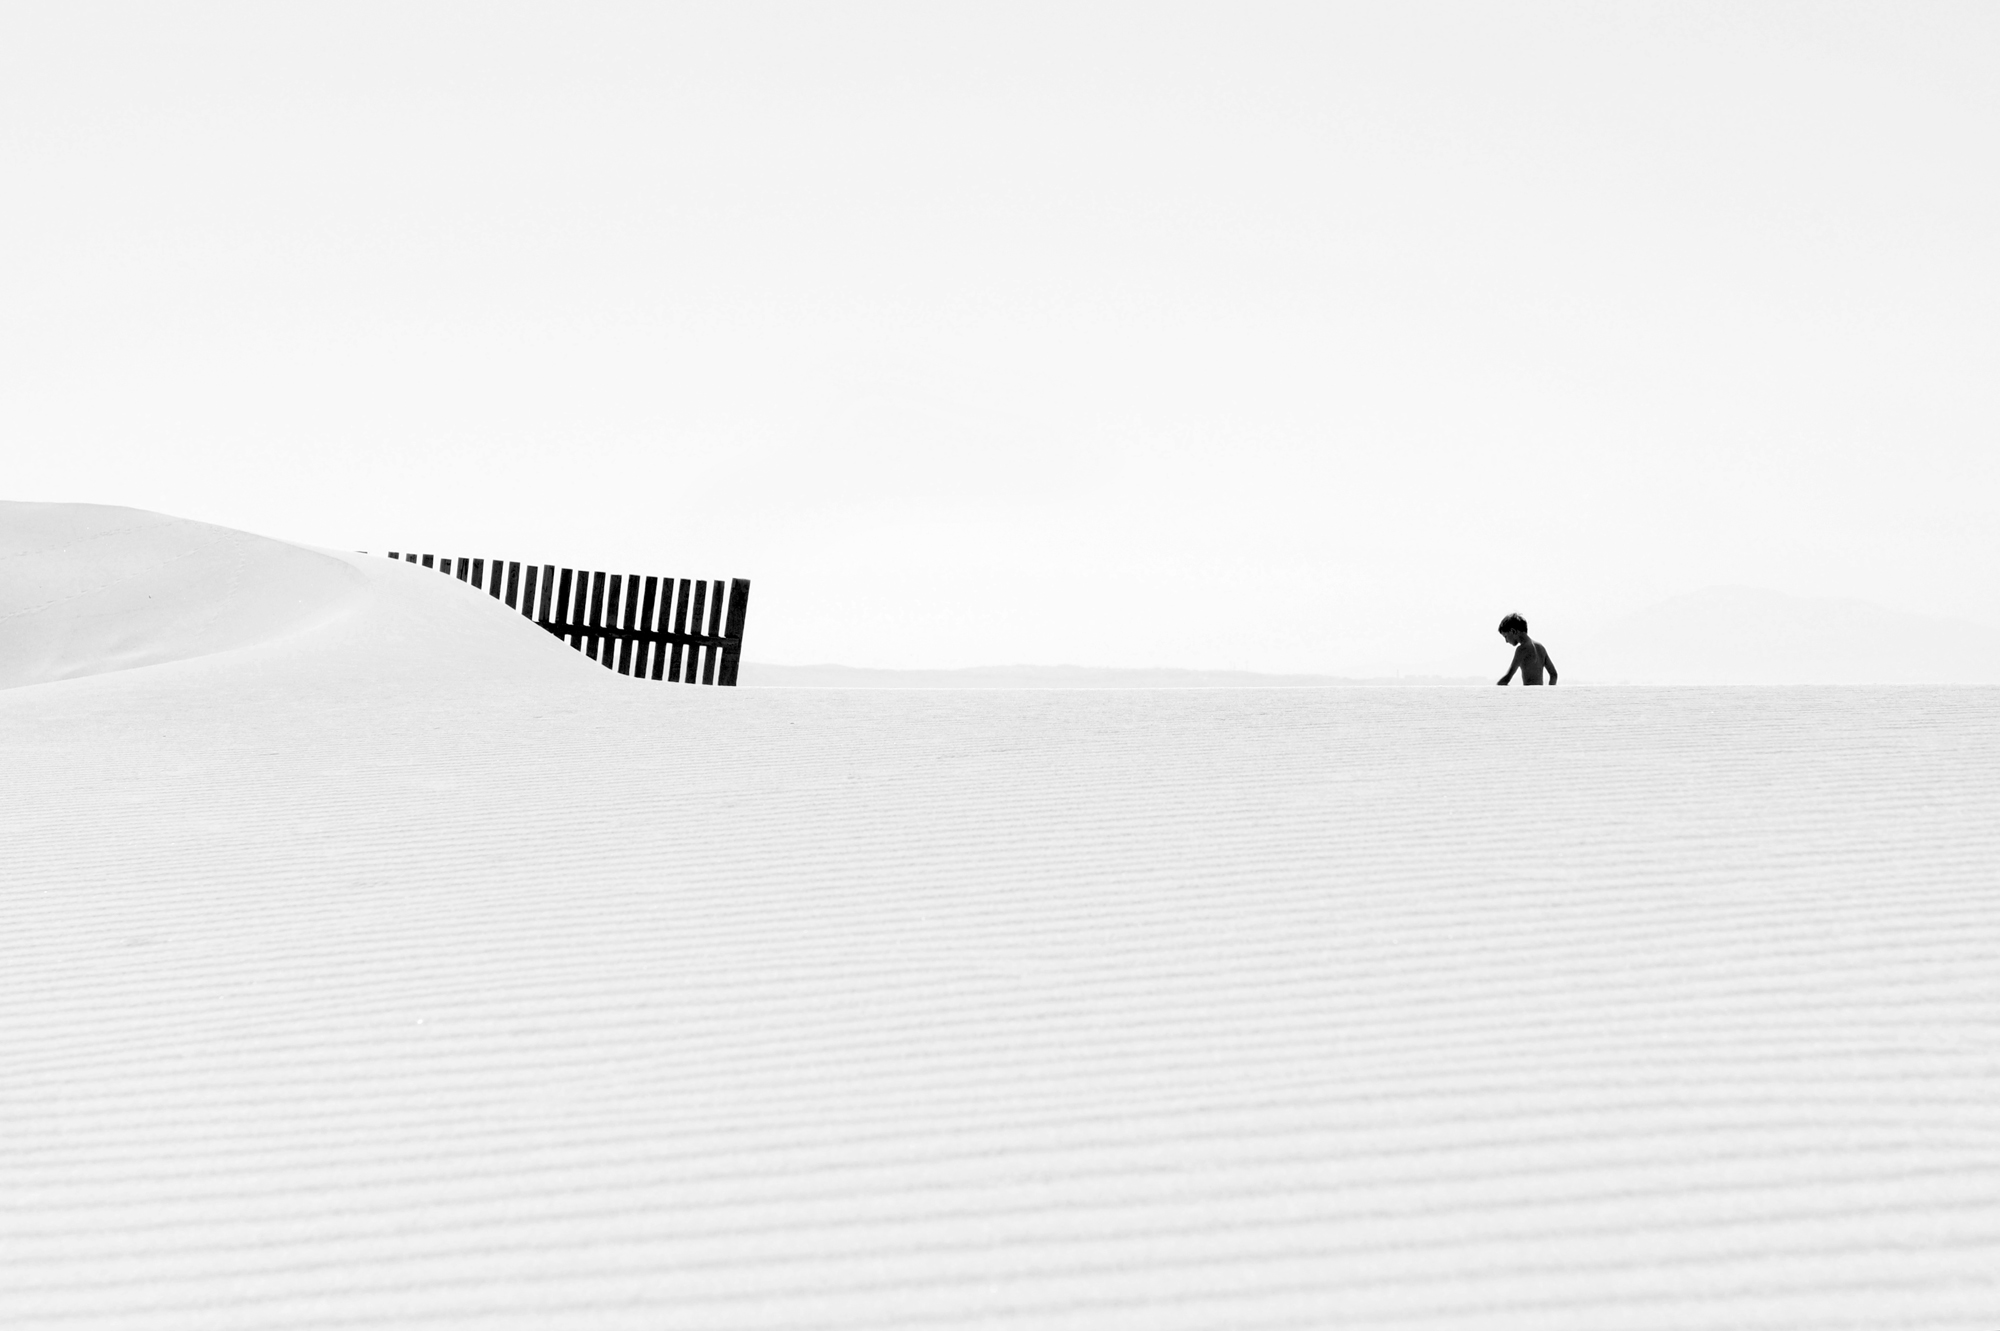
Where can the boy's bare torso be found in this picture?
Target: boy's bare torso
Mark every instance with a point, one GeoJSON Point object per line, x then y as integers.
{"type": "Point", "coordinates": [1528, 658]}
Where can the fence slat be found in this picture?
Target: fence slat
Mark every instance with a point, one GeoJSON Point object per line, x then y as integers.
{"type": "Point", "coordinates": [579, 597]}
{"type": "Point", "coordinates": [613, 583]}
{"type": "Point", "coordinates": [714, 630]}
{"type": "Point", "coordinates": [596, 610]}
{"type": "Point", "coordinates": [562, 618]}
{"type": "Point", "coordinates": [513, 581]}
{"type": "Point", "coordinates": [680, 627]}
{"type": "Point", "coordinates": [622, 618]}
{"type": "Point", "coordinates": [478, 573]}
{"type": "Point", "coordinates": [600, 649]}
{"type": "Point", "coordinates": [648, 654]}
{"type": "Point", "coordinates": [627, 648]}
{"type": "Point", "coordinates": [694, 622]}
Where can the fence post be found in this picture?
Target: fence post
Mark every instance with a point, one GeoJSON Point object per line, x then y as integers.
{"type": "Point", "coordinates": [732, 632]}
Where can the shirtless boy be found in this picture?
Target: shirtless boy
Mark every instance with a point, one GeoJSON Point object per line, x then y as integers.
{"type": "Point", "coordinates": [1530, 657]}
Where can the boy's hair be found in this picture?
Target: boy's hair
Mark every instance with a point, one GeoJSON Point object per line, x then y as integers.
{"type": "Point", "coordinates": [1515, 622]}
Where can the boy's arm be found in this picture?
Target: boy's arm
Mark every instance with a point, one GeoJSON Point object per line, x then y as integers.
{"type": "Point", "coordinates": [1520, 660]}
{"type": "Point", "coordinates": [1548, 663]}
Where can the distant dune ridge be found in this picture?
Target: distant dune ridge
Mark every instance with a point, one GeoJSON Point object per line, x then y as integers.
{"type": "Point", "coordinates": [373, 961]}
{"type": "Point", "coordinates": [1721, 635]}
{"type": "Point", "coordinates": [1057, 677]}
{"type": "Point", "coordinates": [1745, 635]}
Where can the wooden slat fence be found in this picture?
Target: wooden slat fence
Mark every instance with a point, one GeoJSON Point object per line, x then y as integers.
{"type": "Point", "coordinates": [649, 628]}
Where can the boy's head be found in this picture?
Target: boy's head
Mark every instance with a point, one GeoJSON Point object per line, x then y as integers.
{"type": "Point", "coordinates": [1513, 628]}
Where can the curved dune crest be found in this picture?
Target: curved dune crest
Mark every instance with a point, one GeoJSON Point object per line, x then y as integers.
{"type": "Point", "coordinates": [89, 588]}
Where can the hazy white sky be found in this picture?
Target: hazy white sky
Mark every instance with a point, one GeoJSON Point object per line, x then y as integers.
{"type": "Point", "coordinates": [1304, 337]}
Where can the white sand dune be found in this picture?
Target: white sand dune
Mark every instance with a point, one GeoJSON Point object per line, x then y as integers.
{"type": "Point", "coordinates": [398, 968]}
{"type": "Point", "coordinates": [86, 588]}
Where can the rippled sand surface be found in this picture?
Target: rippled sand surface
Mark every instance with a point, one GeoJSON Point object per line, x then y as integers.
{"type": "Point", "coordinates": [402, 969]}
